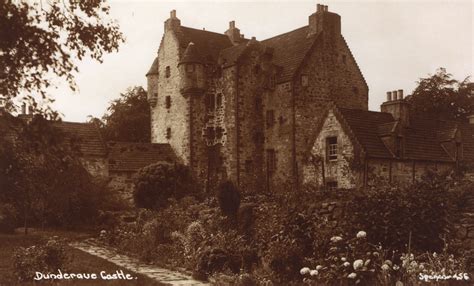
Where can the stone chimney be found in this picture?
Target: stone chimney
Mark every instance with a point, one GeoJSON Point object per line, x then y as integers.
{"type": "Point", "coordinates": [324, 21]}
{"type": "Point", "coordinates": [173, 23]}
{"type": "Point", "coordinates": [234, 33]}
{"type": "Point", "coordinates": [397, 106]}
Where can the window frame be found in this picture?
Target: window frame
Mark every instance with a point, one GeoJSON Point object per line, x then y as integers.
{"type": "Point", "coordinates": [332, 148]}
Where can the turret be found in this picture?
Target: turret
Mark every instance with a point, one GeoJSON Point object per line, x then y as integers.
{"type": "Point", "coordinates": [192, 72]}
{"type": "Point", "coordinates": [152, 83]}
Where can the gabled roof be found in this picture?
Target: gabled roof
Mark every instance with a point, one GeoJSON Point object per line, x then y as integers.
{"type": "Point", "coordinates": [207, 44]}
{"type": "Point", "coordinates": [364, 125]}
{"type": "Point", "coordinates": [229, 56]}
{"type": "Point", "coordinates": [130, 157]}
{"type": "Point", "coordinates": [289, 51]}
{"type": "Point", "coordinates": [85, 135]}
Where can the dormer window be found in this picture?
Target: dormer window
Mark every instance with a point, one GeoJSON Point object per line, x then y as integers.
{"type": "Point", "coordinates": [167, 72]}
{"type": "Point", "coordinates": [190, 68]}
{"type": "Point", "coordinates": [304, 80]}
{"type": "Point", "coordinates": [331, 148]}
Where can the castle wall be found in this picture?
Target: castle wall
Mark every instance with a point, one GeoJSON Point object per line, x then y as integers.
{"type": "Point", "coordinates": [176, 117]}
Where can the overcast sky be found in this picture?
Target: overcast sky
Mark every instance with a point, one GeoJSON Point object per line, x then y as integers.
{"type": "Point", "coordinates": [394, 42]}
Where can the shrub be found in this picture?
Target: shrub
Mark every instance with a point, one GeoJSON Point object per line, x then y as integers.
{"type": "Point", "coordinates": [8, 218]}
{"type": "Point", "coordinates": [229, 198]}
{"type": "Point", "coordinates": [157, 183]}
{"type": "Point", "coordinates": [48, 257]}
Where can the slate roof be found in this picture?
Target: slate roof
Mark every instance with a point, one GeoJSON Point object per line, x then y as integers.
{"type": "Point", "coordinates": [207, 44]}
{"type": "Point", "coordinates": [289, 50]}
{"type": "Point", "coordinates": [85, 135]}
{"type": "Point", "coordinates": [364, 125]}
{"type": "Point", "coordinates": [229, 56]}
{"type": "Point", "coordinates": [130, 157]}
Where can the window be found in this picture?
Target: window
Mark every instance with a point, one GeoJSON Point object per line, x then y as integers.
{"type": "Point", "coordinates": [304, 80]}
{"type": "Point", "coordinates": [219, 133]}
{"type": "Point", "coordinates": [155, 94]}
{"type": "Point", "coordinates": [190, 68]}
{"type": "Point", "coordinates": [210, 134]}
{"type": "Point", "coordinates": [248, 166]}
{"type": "Point", "coordinates": [210, 103]}
{"type": "Point", "coordinates": [168, 72]}
{"type": "Point", "coordinates": [168, 102]}
{"type": "Point", "coordinates": [270, 118]}
{"type": "Point", "coordinates": [331, 143]}
{"type": "Point", "coordinates": [168, 133]}
{"type": "Point", "coordinates": [331, 186]}
{"type": "Point", "coordinates": [219, 100]}
{"type": "Point", "coordinates": [271, 161]}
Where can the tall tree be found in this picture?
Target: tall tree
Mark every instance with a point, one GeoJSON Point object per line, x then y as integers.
{"type": "Point", "coordinates": [443, 97]}
{"type": "Point", "coordinates": [47, 37]}
{"type": "Point", "coordinates": [128, 117]}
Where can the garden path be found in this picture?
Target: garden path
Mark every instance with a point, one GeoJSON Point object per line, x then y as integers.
{"type": "Point", "coordinates": [161, 275]}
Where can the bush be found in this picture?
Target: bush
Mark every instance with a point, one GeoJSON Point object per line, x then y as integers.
{"type": "Point", "coordinates": [44, 258]}
{"type": "Point", "coordinates": [8, 218]}
{"type": "Point", "coordinates": [229, 198]}
{"type": "Point", "coordinates": [157, 183]}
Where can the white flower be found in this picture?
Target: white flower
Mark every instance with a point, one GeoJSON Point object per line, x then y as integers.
{"type": "Point", "coordinates": [352, 275]}
{"type": "Point", "coordinates": [396, 267]}
{"type": "Point", "coordinates": [319, 267]}
{"type": "Point", "coordinates": [385, 267]}
{"type": "Point", "coordinates": [361, 234]}
{"type": "Point", "coordinates": [367, 262]}
{"type": "Point", "coordinates": [388, 262]}
{"type": "Point", "coordinates": [335, 239]}
{"type": "Point", "coordinates": [343, 259]}
{"type": "Point", "coordinates": [358, 264]}
{"type": "Point", "coordinates": [346, 264]}
{"type": "Point", "coordinates": [435, 254]}
{"type": "Point", "coordinates": [376, 254]}
{"type": "Point", "coordinates": [313, 272]}
{"type": "Point", "coordinates": [304, 270]}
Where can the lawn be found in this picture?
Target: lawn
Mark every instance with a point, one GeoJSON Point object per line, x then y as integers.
{"type": "Point", "coordinates": [80, 262]}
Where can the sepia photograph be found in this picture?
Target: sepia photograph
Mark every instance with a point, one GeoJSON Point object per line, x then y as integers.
{"type": "Point", "coordinates": [237, 142]}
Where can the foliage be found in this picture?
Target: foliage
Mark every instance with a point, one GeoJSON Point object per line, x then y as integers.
{"type": "Point", "coordinates": [128, 117]}
{"type": "Point", "coordinates": [44, 38]}
{"type": "Point", "coordinates": [416, 216]}
{"type": "Point", "coordinates": [44, 180]}
{"type": "Point", "coordinates": [229, 198]}
{"type": "Point", "coordinates": [157, 183]}
{"type": "Point", "coordinates": [442, 97]}
{"type": "Point", "coordinates": [48, 257]}
{"type": "Point", "coordinates": [8, 218]}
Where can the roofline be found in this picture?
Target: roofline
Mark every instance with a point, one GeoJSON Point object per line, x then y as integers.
{"type": "Point", "coordinates": [285, 33]}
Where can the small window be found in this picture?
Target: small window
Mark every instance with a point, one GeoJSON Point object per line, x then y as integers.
{"type": "Point", "coordinates": [355, 90]}
{"type": "Point", "coordinates": [271, 161]}
{"type": "Point", "coordinates": [332, 148]}
{"type": "Point", "coordinates": [168, 72]}
{"type": "Point", "coordinates": [219, 133]}
{"type": "Point", "coordinates": [155, 94]}
{"type": "Point", "coordinates": [344, 59]}
{"type": "Point", "coordinates": [331, 186]}
{"type": "Point", "coordinates": [210, 133]}
{"type": "Point", "coordinates": [270, 118]}
{"type": "Point", "coordinates": [168, 102]}
{"type": "Point", "coordinates": [168, 133]}
{"type": "Point", "coordinates": [210, 102]}
{"type": "Point", "coordinates": [248, 166]}
{"type": "Point", "coordinates": [219, 100]}
{"type": "Point", "coordinates": [304, 80]}
{"type": "Point", "coordinates": [190, 68]}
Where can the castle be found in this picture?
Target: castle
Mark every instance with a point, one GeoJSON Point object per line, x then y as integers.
{"type": "Point", "coordinates": [246, 110]}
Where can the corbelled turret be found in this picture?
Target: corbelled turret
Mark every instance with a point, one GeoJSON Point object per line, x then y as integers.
{"type": "Point", "coordinates": [192, 70]}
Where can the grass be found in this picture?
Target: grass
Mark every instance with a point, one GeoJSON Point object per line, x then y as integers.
{"type": "Point", "coordinates": [80, 262]}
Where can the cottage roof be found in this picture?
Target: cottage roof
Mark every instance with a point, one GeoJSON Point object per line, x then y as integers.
{"type": "Point", "coordinates": [85, 135]}
{"type": "Point", "coordinates": [130, 156]}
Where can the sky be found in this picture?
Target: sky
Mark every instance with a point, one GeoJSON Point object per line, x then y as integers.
{"type": "Point", "coordinates": [394, 42]}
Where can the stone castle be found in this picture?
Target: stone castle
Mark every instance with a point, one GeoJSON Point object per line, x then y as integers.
{"type": "Point", "coordinates": [245, 110]}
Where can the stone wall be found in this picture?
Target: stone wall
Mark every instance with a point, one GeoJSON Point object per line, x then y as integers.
{"type": "Point", "coordinates": [96, 166]}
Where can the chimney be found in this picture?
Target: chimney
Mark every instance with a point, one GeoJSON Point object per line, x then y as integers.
{"type": "Point", "coordinates": [173, 23]}
{"type": "Point", "coordinates": [324, 21]}
{"type": "Point", "coordinates": [397, 106]}
{"type": "Point", "coordinates": [471, 118]}
{"type": "Point", "coordinates": [233, 33]}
